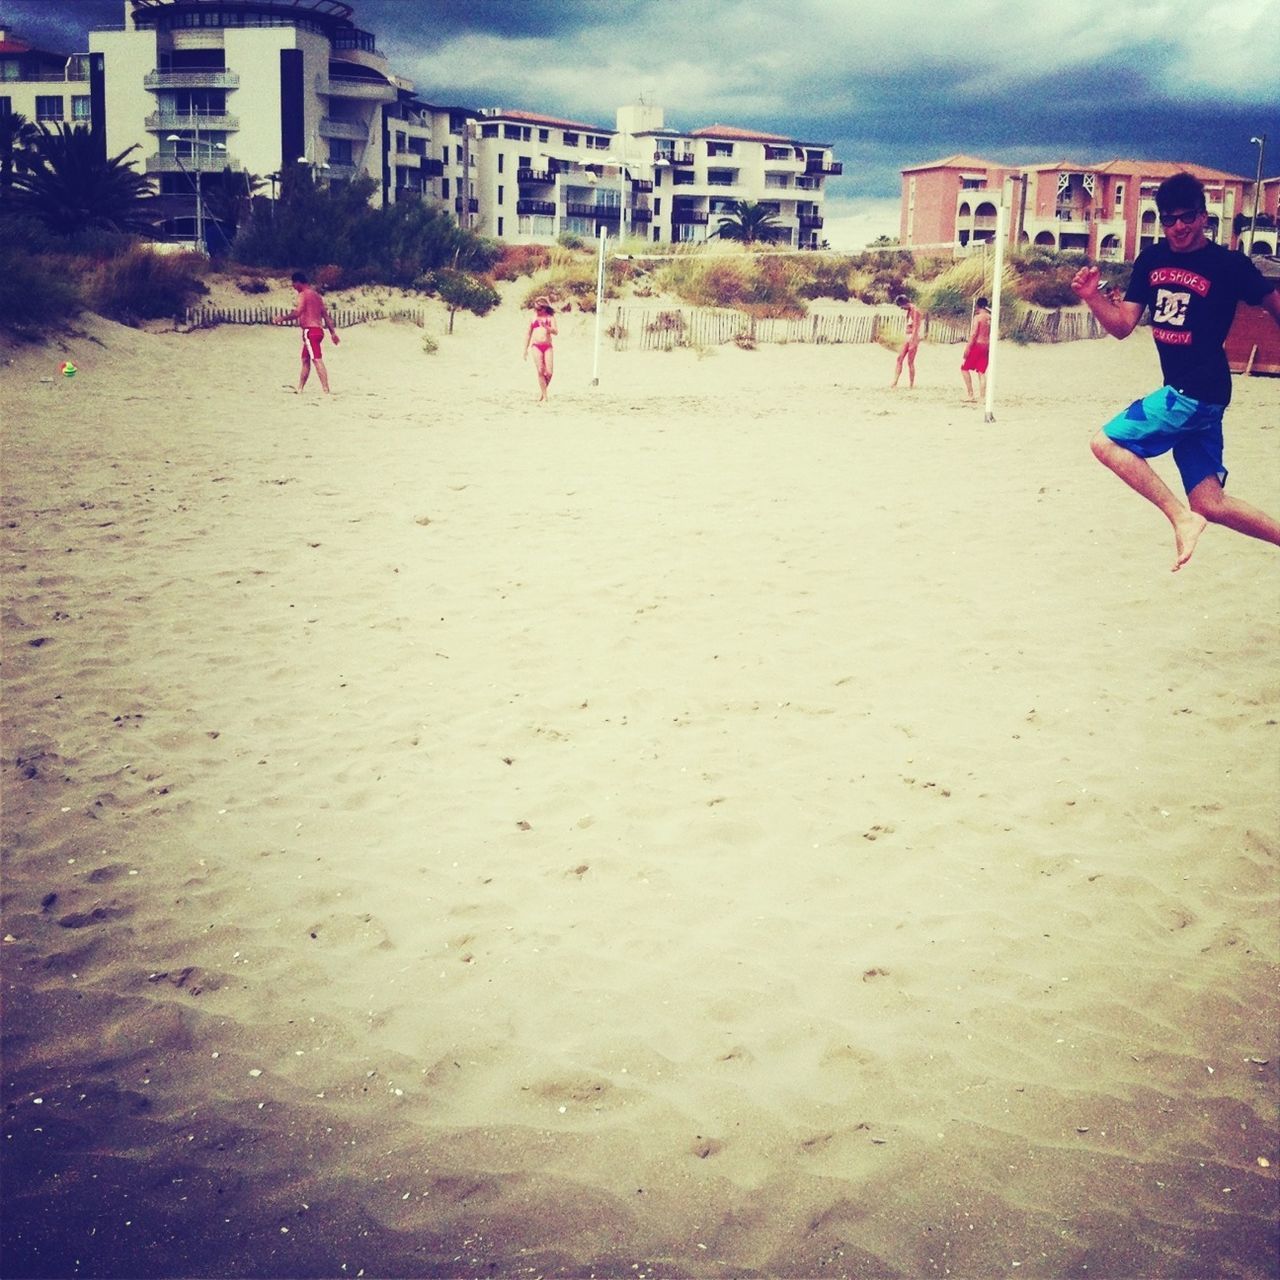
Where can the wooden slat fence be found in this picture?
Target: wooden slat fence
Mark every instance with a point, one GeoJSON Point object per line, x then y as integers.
{"type": "Point", "coordinates": [710, 327]}
{"type": "Point", "coordinates": [343, 317]}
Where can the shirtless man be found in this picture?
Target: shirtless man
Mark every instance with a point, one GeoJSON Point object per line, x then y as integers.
{"type": "Point", "coordinates": [978, 351]}
{"type": "Point", "coordinates": [911, 340]}
{"type": "Point", "coordinates": [313, 319]}
{"type": "Point", "coordinates": [1192, 287]}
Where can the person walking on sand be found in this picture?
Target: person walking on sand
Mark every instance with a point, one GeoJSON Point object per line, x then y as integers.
{"type": "Point", "coordinates": [542, 329]}
{"type": "Point", "coordinates": [313, 319]}
{"type": "Point", "coordinates": [978, 351]}
{"type": "Point", "coordinates": [1192, 287]}
{"type": "Point", "coordinates": [911, 340]}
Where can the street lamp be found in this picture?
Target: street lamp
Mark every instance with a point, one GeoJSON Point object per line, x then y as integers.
{"type": "Point", "coordinates": [1261, 143]}
{"type": "Point", "coordinates": [621, 162]}
{"type": "Point", "coordinates": [213, 146]}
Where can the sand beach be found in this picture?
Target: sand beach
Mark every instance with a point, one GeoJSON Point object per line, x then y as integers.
{"type": "Point", "coordinates": [735, 820]}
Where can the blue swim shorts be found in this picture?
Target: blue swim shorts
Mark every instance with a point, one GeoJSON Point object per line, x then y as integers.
{"type": "Point", "coordinates": [1166, 419]}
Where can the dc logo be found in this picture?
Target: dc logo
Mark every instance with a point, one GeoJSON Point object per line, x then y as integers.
{"type": "Point", "coordinates": [1170, 308]}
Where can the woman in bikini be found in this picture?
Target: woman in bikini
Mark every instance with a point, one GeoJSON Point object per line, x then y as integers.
{"type": "Point", "coordinates": [542, 328]}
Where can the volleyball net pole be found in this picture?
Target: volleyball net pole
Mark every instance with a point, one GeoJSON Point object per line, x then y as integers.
{"type": "Point", "coordinates": [595, 363]}
{"type": "Point", "coordinates": [1002, 231]}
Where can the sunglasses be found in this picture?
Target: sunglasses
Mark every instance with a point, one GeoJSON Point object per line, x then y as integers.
{"type": "Point", "coordinates": [1187, 217]}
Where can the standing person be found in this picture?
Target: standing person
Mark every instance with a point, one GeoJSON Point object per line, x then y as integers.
{"type": "Point", "coordinates": [313, 319]}
{"type": "Point", "coordinates": [542, 328]}
{"type": "Point", "coordinates": [911, 340]}
{"type": "Point", "coordinates": [978, 351]}
{"type": "Point", "coordinates": [1192, 287]}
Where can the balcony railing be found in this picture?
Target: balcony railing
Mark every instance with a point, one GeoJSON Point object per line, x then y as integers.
{"type": "Point", "coordinates": [641, 214]}
{"type": "Point", "coordinates": [168, 122]}
{"type": "Point", "coordinates": [811, 221]}
{"type": "Point", "coordinates": [356, 87]}
{"type": "Point", "coordinates": [641, 185]}
{"type": "Point", "coordinates": [406, 159]}
{"type": "Point", "coordinates": [674, 157]}
{"type": "Point", "coordinates": [473, 205]}
{"type": "Point", "coordinates": [52, 77]}
{"type": "Point", "coordinates": [536, 177]}
{"type": "Point", "coordinates": [349, 129]}
{"type": "Point", "coordinates": [828, 168]}
{"type": "Point", "coordinates": [167, 162]}
{"type": "Point", "coordinates": [547, 207]}
{"type": "Point", "coordinates": [191, 78]}
{"type": "Point", "coordinates": [575, 209]}
{"type": "Point", "coordinates": [688, 217]}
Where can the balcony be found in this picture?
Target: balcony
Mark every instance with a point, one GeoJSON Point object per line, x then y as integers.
{"type": "Point", "coordinates": [674, 157]}
{"type": "Point", "coordinates": [351, 130]}
{"type": "Point", "coordinates": [473, 205]}
{"type": "Point", "coordinates": [341, 172]}
{"type": "Point", "coordinates": [167, 162]}
{"type": "Point", "coordinates": [406, 159]}
{"type": "Point", "coordinates": [575, 209]}
{"type": "Point", "coordinates": [380, 90]}
{"type": "Point", "coordinates": [641, 214]}
{"type": "Point", "coordinates": [534, 177]}
{"type": "Point", "coordinates": [545, 208]}
{"type": "Point", "coordinates": [170, 122]}
{"type": "Point", "coordinates": [688, 218]}
{"type": "Point", "coordinates": [193, 78]}
{"type": "Point", "coordinates": [810, 221]}
{"type": "Point", "coordinates": [825, 168]}
{"type": "Point", "coordinates": [640, 185]}
{"type": "Point", "coordinates": [432, 168]}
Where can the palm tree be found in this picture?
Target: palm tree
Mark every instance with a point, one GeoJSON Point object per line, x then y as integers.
{"type": "Point", "coordinates": [228, 201]}
{"type": "Point", "coordinates": [71, 186]}
{"type": "Point", "coordinates": [17, 134]}
{"type": "Point", "coordinates": [748, 222]}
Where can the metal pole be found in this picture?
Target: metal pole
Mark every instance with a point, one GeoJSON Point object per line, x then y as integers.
{"type": "Point", "coordinates": [1002, 231]}
{"type": "Point", "coordinates": [595, 365]}
{"type": "Point", "coordinates": [1261, 142]}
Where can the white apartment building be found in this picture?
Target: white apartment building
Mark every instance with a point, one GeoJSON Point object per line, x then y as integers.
{"type": "Point", "coordinates": [537, 177]}
{"type": "Point", "coordinates": [257, 85]}
{"type": "Point", "coordinates": [254, 86]}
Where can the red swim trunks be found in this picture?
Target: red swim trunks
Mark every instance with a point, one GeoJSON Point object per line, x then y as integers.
{"type": "Point", "coordinates": [975, 357]}
{"type": "Point", "coordinates": [311, 340]}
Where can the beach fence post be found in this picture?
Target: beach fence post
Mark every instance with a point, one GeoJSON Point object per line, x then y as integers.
{"type": "Point", "coordinates": [595, 360]}
{"type": "Point", "coordinates": [1002, 230]}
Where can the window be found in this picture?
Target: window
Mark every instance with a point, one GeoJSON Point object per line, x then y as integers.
{"type": "Point", "coordinates": [488, 130]}
{"type": "Point", "coordinates": [719, 148]}
{"type": "Point", "coordinates": [444, 188]}
{"type": "Point", "coordinates": [499, 227]}
{"type": "Point", "coordinates": [10, 69]}
{"type": "Point", "coordinates": [49, 108]}
{"type": "Point", "coordinates": [1119, 197]}
{"type": "Point", "coordinates": [570, 139]}
{"type": "Point", "coordinates": [499, 197]}
{"type": "Point", "coordinates": [81, 107]}
{"type": "Point", "coordinates": [340, 151]}
{"type": "Point", "coordinates": [544, 135]}
{"type": "Point", "coordinates": [6, 107]}
{"type": "Point", "coordinates": [501, 158]}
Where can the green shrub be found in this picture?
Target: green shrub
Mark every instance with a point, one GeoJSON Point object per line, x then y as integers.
{"type": "Point", "coordinates": [144, 285]}
{"type": "Point", "coordinates": [36, 293]}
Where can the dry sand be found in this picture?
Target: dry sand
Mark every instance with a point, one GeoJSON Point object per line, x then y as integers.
{"type": "Point", "coordinates": [735, 820]}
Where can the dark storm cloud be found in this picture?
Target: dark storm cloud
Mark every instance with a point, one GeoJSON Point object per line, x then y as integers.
{"type": "Point", "coordinates": [888, 82]}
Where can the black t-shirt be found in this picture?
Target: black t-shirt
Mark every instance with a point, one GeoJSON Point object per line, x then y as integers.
{"type": "Point", "coordinates": [1193, 299]}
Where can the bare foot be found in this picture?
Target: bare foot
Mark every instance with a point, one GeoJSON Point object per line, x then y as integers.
{"type": "Point", "coordinates": [1187, 533]}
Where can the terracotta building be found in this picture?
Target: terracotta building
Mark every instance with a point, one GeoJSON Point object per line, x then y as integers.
{"type": "Point", "coordinates": [1106, 211]}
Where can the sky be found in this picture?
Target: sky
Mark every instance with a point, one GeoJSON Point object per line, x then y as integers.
{"type": "Point", "coordinates": [887, 83]}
